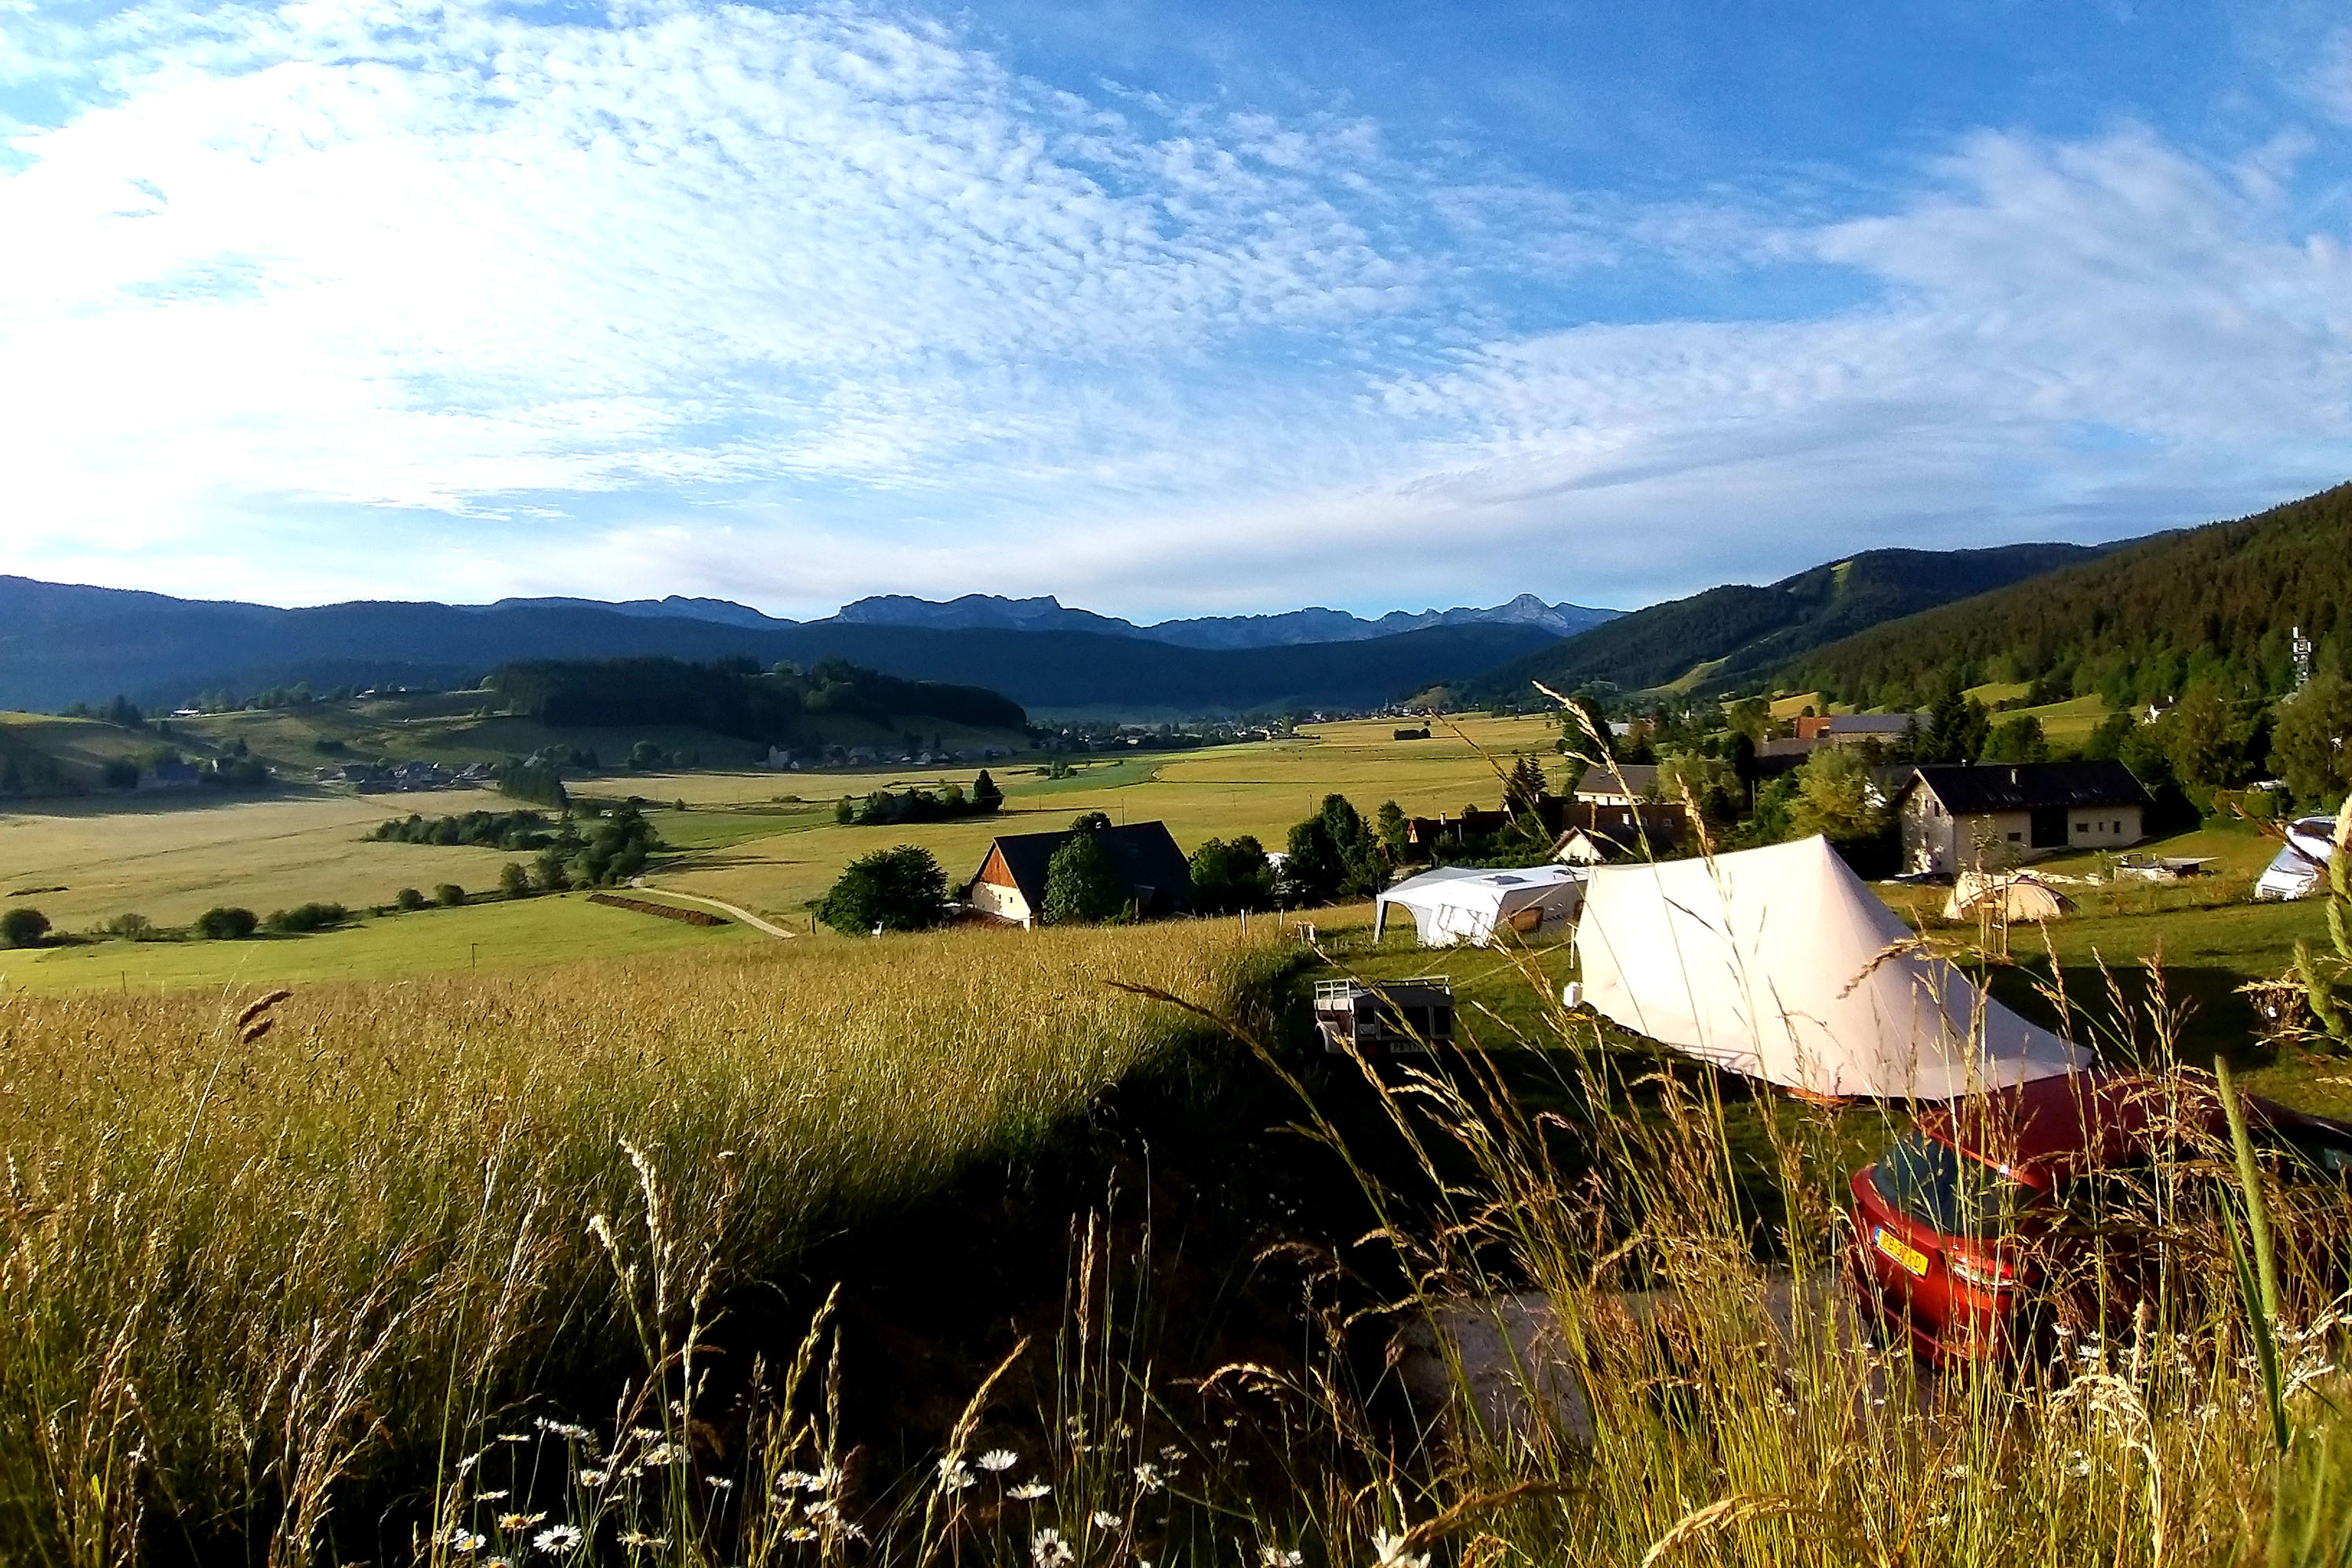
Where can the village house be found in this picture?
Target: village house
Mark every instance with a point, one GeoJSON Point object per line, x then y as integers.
{"type": "Point", "coordinates": [1980, 817]}
{"type": "Point", "coordinates": [1010, 886]}
{"type": "Point", "coordinates": [1617, 783]}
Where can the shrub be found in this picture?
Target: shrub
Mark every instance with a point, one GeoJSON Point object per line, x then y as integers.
{"type": "Point", "coordinates": [507, 830]}
{"type": "Point", "coordinates": [23, 927]}
{"type": "Point", "coordinates": [226, 923]}
{"type": "Point", "coordinates": [120, 772]}
{"type": "Point", "coordinates": [409, 898]}
{"type": "Point", "coordinates": [514, 882]}
{"type": "Point", "coordinates": [892, 889]}
{"type": "Point", "coordinates": [1229, 877]}
{"type": "Point", "coordinates": [135, 927]}
{"type": "Point", "coordinates": [449, 896]}
{"type": "Point", "coordinates": [307, 917]}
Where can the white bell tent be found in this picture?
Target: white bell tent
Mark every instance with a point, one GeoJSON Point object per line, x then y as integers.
{"type": "Point", "coordinates": [1457, 904]}
{"type": "Point", "coordinates": [1775, 963]}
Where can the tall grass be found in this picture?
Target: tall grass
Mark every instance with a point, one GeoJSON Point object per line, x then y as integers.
{"type": "Point", "coordinates": [251, 1257]}
{"type": "Point", "coordinates": [474, 1233]}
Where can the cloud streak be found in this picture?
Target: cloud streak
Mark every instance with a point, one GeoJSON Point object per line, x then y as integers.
{"type": "Point", "coordinates": [794, 306]}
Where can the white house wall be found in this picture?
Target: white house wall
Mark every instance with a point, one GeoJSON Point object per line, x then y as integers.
{"type": "Point", "coordinates": [1003, 902]}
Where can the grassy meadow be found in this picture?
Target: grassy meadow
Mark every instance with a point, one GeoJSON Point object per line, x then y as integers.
{"type": "Point", "coordinates": [261, 1264]}
{"type": "Point", "coordinates": [1259, 789]}
{"type": "Point", "coordinates": [495, 935]}
{"type": "Point", "coordinates": [514, 1267]}
{"type": "Point", "coordinates": [512, 1234]}
{"type": "Point", "coordinates": [172, 857]}
{"type": "Point", "coordinates": [743, 837]}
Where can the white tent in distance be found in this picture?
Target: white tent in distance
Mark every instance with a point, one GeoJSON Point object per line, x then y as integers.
{"type": "Point", "coordinates": [1457, 904]}
{"type": "Point", "coordinates": [1776, 962]}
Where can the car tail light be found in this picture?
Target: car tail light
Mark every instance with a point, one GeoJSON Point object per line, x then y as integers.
{"type": "Point", "coordinates": [1986, 1273]}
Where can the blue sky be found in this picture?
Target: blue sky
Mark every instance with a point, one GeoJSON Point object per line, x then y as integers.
{"type": "Point", "coordinates": [1167, 309]}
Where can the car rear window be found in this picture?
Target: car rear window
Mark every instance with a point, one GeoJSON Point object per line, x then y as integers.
{"type": "Point", "coordinates": [1935, 1183]}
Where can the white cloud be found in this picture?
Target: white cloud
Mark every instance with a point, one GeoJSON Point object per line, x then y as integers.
{"type": "Point", "coordinates": [795, 307]}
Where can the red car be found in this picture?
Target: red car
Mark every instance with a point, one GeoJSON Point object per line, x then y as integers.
{"type": "Point", "coordinates": [1976, 1213]}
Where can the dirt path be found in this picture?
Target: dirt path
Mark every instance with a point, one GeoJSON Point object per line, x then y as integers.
{"type": "Point", "coordinates": [738, 910]}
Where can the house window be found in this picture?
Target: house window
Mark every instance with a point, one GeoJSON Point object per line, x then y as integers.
{"type": "Point", "coordinates": [2081, 828]}
{"type": "Point", "coordinates": [2016, 838]}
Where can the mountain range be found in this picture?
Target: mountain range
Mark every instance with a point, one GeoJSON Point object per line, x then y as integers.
{"type": "Point", "coordinates": [1290, 628]}
{"type": "Point", "coordinates": [975, 612]}
{"type": "Point", "coordinates": [1884, 625]}
{"type": "Point", "coordinates": [63, 643]}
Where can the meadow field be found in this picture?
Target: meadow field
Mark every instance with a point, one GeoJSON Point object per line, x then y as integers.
{"type": "Point", "coordinates": [543, 1266]}
{"type": "Point", "coordinates": [1260, 789]}
{"type": "Point", "coordinates": [172, 857]}
{"type": "Point", "coordinates": [765, 841]}
{"type": "Point", "coordinates": [270, 1267]}
{"type": "Point", "coordinates": [538, 1231]}
{"type": "Point", "coordinates": [496, 935]}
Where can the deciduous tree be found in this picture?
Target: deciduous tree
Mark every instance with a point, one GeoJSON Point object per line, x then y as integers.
{"type": "Point", "coordinates": [900, 889]}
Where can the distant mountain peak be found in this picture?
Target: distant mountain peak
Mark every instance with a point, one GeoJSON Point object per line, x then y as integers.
{"type": "Point", "coordinates": [674, 606]}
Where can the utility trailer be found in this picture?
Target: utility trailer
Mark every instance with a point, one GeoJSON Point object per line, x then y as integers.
{"type": "Point", "coordinates": [1385, 1016]}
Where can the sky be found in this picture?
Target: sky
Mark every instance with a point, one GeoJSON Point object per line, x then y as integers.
{"type": "Point", "coordinates": [1175, 307]}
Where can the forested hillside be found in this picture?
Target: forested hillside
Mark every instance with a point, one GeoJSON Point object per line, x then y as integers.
{"type": "Point", "coordinates": [736, 697]}
{"type": "Point", "coordinates": [1726, 634]}
{"type": "Point", "coordinates": [2215, 605]}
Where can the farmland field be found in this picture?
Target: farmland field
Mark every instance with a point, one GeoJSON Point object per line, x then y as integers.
{"type": "Point", "coordinates": [172, 857]}
{"type": "Point", "coordinates": [1259, 789]}
{"type": "Point", "coordinates": [740, 839]}
{"type": "Point", "coordinates": [497, 936]}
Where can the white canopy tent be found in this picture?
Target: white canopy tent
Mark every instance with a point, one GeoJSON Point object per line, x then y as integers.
{"type": "Point", "coordinates": [1457, 904]}
{"type": "Point", "coordinates": [1775, 963]}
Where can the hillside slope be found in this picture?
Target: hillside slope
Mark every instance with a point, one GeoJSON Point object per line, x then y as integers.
{"type": "Point", "coordinates": [1727, 635]}
{"type": "Point", "coordinates": [60, 644]}
{"type": "Point", "coordinates": [2219, 602]}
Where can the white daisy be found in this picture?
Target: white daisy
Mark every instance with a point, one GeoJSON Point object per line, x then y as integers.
{"type": "Point", "coordinates": [557, 1538]}
{"type": "Point", "coordinates": [996, 1461]}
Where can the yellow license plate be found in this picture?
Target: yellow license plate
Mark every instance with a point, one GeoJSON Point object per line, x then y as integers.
{"type": "Point", "coordinates": [1914, 1261]}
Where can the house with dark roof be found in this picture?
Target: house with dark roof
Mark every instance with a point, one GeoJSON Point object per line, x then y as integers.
{"type": "Point", "coordinates": [1010, 886]}
{"type": "Point", "coordinates": [1617, 783]}
{"type": "Point", "coordinates": [1984, 816]}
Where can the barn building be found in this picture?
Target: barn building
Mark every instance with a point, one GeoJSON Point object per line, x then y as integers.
{"type": "Point", "coordinates": [1984, 816]}
{"type": "Point", "coordinates": [1010, 886]}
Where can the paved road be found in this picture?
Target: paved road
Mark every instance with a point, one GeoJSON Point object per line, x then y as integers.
{"type": "Point", "coordinates": [741, 913]}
